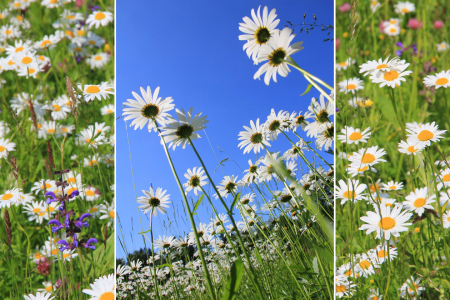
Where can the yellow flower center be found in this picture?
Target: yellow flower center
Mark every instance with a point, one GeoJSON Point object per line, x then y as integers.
{"type": "Point", "coordinates": [49, 288]}
{"type": "Point", "coordinates": [364, 264]}
{"type": "Point", "coordinates": [351, 87]}
{"type": "Point", "coordinates": [107, 296]}
{"type": "Point", "coordinates": [442, 81]}
{"type": "Point", "coordinates": [363, 169]}
{"type": "Point", "coordinates": [98, 57]}
{"type": "Point", "coordinates": [391, 75]}
{"type": "Point", "coordinates": [100, 16]}
{"type": "Point", "coordinates": [7, 196]}
{"type": "Point", "coordinates": [445, 178]}
{"type": "Point", "coordinates": [8, 32]}
{"type": "Point", "coordinates": [382, 253]}
{"type": "Point", "coordinates": [65, 255]}
{"type": "Point", "coordinates": [91, 42]}
{"type": "Point", "coordinates": [355, 136]}
{"type": "Point", "coordinates": [386, 223]}
{"type": "Point", "coordinates": [46, 43]}
{"type": "Point", "coordinates": [112, 215]}
{"type": "Point", "coordinates": [19, 49]}
{"type": "Point", "coordinates": [405, 10]}
{"type": "Point", "coordinates": [419, 202]}
{"type": "Point", "coordinates": [54, 252]}
{"type": "Point", "coordinates": [90, 193]}
{"type": "Point", "coordinates": [340, 288]}
{"type": "Point", "coordinates": [411, 149]}
{"type": "Point", "coordinates": [70, 33]}
{"type": "Point", "coordinates": [56, 107]}
{"type": "Point", "coordinates": [381, 66]}
{"type": "Point", "coordinates": [425, 135]}
{"type": "Point", "coordinates": [92, 89]}
{"type": "Point", "coordinates": [368, 158]}
{"type": "Point", "coordinates": [2, 148]}
{"type": "Point", "coordinates": [348, 195]}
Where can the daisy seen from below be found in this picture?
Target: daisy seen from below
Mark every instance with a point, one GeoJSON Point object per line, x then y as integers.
{"type": "Point", "coordinates": [350, 191]}
{"type": "Point", "coordinates": [258, 30]}
{"type": "Point", "coordinates": [148, 108]}
{"type": "Point", "coordinates": [386, 221]}
{"type": "Point", "coordinates": [275, 52]}
{"type": "Point", "coordinates": [229, 185]}
{"type": "Point", "coordinates": [322, 112]}
{"type": "Point", "coordinates": [178, 132]}
{"type": "Point", "coordinates": [254, 138]}
{"type": "Point", "coordinates": [154, 201]}
{"type": "Point", "coordinates": [423, 134]}
{"type": "Point", "coordinates": [441, 79]}
{"type": "Point", "coordinates": [5, 147]}
{"type": "Point", "coordinates": [275, 123]}
{"type": "Point", "coordinates": [94, 91]}
{"type": "Point", "coordinates": [354, 136]}
{"type": "Point", "coordinates": [196, 179]}
{"type": "Point", "coordinates": [351, 85]}
{"type": "Point", "coordinates": [419, 200]}
{"type": "Point", "coordinates": [99, 18]}
{"type": "Point", "coordinates": [103, 288]}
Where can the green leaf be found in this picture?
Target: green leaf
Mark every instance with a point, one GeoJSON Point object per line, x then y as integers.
{"type": "Point", "coordinates": [236, 198]}
{"type": "Point", "coordinates": [234, 280]}
{"type": "Point", "coordinates": [445, 284]}
{"type": "Point", "coordinates": [164, 265]}
{"type": "Point", "coordinates": [103, 260]}
{"type": "Point", "coordinates": [197, 204]}
{"type": "Point", "coordinates": [145, 231]}
{"type": "Point", "coordinates": [307, 89]}
{"type": "Point", "coordinates": [315, 265]}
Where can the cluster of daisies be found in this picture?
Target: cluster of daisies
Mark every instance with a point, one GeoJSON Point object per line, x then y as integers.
{"type": "Point", "coordinates": [387, 72]}
{"type": "Point", "coordinates": [53, 110]}
{"type": "Point", "coordinates": [152, 111]}
{"type": "Point", "coordinates": [389, 216]}
{"type": "Point", "coordinates": [264, 42]}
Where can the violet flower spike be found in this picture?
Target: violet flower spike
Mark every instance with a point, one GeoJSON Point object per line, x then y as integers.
{"type": "Point", "coordinates": [92, 240]}
{"type": "Point", "coordinates": [74, 194]}
{"type": "Point", "coordinates": [57, 223]}
{"type": "Point", "coordinates": [52, 199]}
{"type": "Point", "coordinates": [79, 222]}
{"type": "Point", "coordinates": [65, 243]}
{"type": "Point", "coordinates": [75, 242]}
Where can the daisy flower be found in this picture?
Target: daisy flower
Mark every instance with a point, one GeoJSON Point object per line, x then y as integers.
{"type": "Point", "coordinates": [30, 71]}
{"type": "Point", "coordinates": [98, 60]}
{"type": "Point", "coordinates": [411, 287]}
{"type": "Point", "coordinates": [383, 253]}
{"type": "Point", "coordinates": [367, 157]}
{"type": "Point", "coordinates": [9, 32]}
{"type": "Point", "coordinates": [394, 76]}
{"type": "Point", "coordinates": [92, 91]}
{"type": "Point", "coordinates": [254, 138]}
{"type": "Point", "coordinates": [48, 42]}
{"type": "Point", "coordinates": [90, 193]}
{"type": "Point", "coordinates": [446, 219]}
{"type": "Point", "coordinates": [345, 64]}
{"type": "Point", "coordinates": [9, 197]}
{"type": "Point", "coordinates": [351, 85]}
{"type": "Point", "coordinates": [374, 5]}
{"type": "Point", "coordinates": [354, 136]}
{"type": "Point", "coordinates": [419, 200]}
{"type": "Point", "coordinates": [5, 147]}
{"type": "Point", "coordinates": [276, 122]}
{"type": "Point", "coordinates": [366, 265]}
{"type": "Point", "coordinates": [441, 79]}
{"type": "Point", "coordinates": [404, 7]}
{"type": "Point", "coordinates": [392, 186]}
{"type": "Point", "coordinates": [154, 201]}
{"type": "Point", "coordinates": [268, 171]}
{"type": "Point", "coordinates": [275, 52]}
{"type": "Point", "coordinates": [386, 221]}
{"type": "Point", "coordinates": [444, 179]}
{"type": "Point", "coordinates": [149, 108]}
{"type": "Point", "coordinates": [344, 288]}
{"type": "Point", "coordinates": [19, 46]}
{"type": "Point", "coordinates": [358, 170]}
{"type": "Point", "coordinates": [293, 153]}
{"type": "Point", "coordinates": [98, 18]}
{"type": "Point", "coordinates": [39, 296]}
{"type": "Point", "coordinates": [410, 148]}
{"type": "Point", "coordinates": [48, 287]}
{"type": "Point", "coordinates": [78, 50]}
{"type": "Point", "coordinates": [102, 288]}
{"type": "Point", "coordinates": [300, 120]}
{"type": "Point", "coordinates": [326, 138]}
{"type": "Point", "coordinates": [107, 211]}
{"type": "Point", "coordinates": [442, 46]}
{"type": "Point", "coordinates": [229, 185]}
{"type": "Point", "coordinates": [58, 108]}
{"type": "Point", "coordinates": [258, 31]}
{"type": "Point", "coordinates": [322, 112]}
{"type": "Point", "coordinates": [196, 179]}
{"type": "Point", "coordinates": [178, 132]}
{"type": "Point", "coordinates": [51, 3]}
{"type": "Point", "coordinates": [107, 109]}
{"type": "Point", "coordinates": [392, 29]}
{"type": "Point", "coordinates": [164, 242]}
{"type": "Point", "coordinates": [423, 134]}
{"type": "Point", "coordinates": [351, 190]}
{"type": "Point", "coordinates": [380, 66]}
{"type": "Point", "coordinates": [93, 40]}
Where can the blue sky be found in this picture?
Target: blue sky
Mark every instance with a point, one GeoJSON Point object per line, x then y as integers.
{"type": "Point", "coordinates": [192, 51]}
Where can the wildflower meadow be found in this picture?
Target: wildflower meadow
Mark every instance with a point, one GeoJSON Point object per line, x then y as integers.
{"type": "Point", "coordinates": [57, 145]}
{"type": "Point", "coordinates": [393, 147]}
{"type": "Point", "coordinates": [219, 226]}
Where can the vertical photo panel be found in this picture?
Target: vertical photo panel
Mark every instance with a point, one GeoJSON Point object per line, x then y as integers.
{"type": "Point", "coordinates": [225, 150]}
{"type": "Point", "coordinates": [57, 141]}
{"type": "Point", "coordinates": [393, 167]}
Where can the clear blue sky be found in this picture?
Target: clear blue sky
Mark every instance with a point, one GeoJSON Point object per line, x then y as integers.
{"type": "Point", "coordinates": [192, 51]}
